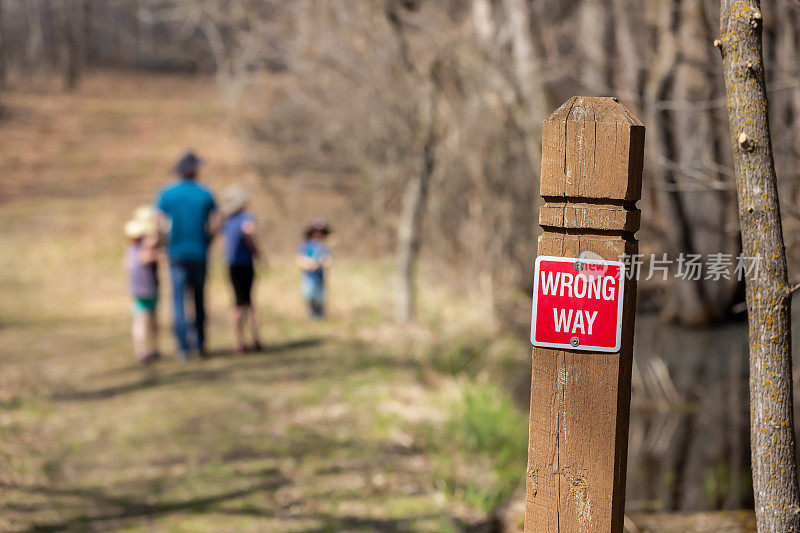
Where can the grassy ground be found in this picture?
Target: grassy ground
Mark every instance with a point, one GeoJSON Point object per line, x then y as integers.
{"type": "Point", "coordinates": [351, 424]}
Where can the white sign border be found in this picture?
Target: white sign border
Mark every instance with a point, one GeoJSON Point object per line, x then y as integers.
{"type": "Point", "coordinates": [581, 347]}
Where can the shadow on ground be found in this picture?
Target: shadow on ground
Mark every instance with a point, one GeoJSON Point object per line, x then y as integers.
{"type": "Point", "coordinates": [176, 372]}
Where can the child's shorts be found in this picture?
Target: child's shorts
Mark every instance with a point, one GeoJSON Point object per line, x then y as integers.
{"type": "Point", "coordinates": [144, 305]}
{"type": "Point", "coordinates": [242, 281]}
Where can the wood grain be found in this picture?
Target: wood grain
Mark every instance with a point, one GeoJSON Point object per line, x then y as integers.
{"type": "Point", "coordinates": [591, 179]}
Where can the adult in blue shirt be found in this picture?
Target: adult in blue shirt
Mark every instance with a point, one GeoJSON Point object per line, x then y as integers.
{"type": "Point", "coordinates": [193, 220]}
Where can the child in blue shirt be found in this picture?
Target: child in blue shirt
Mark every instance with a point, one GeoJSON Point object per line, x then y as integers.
{"type": "Point", "coordinates": [239, 231]}
{"type": "Point", "coordinates": [313, 257]}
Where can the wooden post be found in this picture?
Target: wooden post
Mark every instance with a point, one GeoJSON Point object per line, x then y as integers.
{"type": "Point", "coordinates": [592, 153]}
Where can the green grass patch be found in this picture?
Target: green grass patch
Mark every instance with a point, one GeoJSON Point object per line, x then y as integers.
{"type": "Point", "coordinates": [482, 453]}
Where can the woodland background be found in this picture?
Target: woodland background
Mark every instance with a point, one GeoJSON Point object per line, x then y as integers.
{"type": "Point", "coordinates": [439, 104]}
{"type": "Point", "coordinates": [413, 126]}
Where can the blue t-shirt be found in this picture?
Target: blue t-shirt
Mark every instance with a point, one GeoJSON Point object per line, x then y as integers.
{"type": "Point", "coordinates": [237, 252]}
{"type": "Point", "coordinates": [189, 206]}
{"type": "Point", "coordinates": [315, 250]}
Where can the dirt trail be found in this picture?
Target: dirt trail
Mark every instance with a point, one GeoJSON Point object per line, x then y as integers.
{"type": "Point", "coordinates": [319, 432]}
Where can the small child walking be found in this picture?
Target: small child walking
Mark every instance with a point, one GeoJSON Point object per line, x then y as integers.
{"type": "Point", "coordinates": [141, 258]}
{"type": "Point", "coordinates": [313, 257]}
{"type": "Point", "coordinates": [239, 231]}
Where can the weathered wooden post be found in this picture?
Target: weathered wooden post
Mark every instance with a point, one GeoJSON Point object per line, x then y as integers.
{"type": "Point", "coordinates": [582, 323]}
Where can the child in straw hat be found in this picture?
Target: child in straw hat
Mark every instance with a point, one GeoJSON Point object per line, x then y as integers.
{"type": "Point", "coordinates": [141, 259]}
{"type": "Point", "coordinates": [239, 231]}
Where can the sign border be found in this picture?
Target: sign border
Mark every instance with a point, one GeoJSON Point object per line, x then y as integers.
{"type": "Point", "coordinates": [580, 347]}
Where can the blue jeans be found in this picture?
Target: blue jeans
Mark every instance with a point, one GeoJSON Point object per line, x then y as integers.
{"type": "Point", "coordinates": [188, 277]}
{"type": "Point", "coordinates": [314, 293]}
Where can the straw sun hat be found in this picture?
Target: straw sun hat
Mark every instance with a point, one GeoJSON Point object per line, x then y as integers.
{"type": "Point", "coordinates": [143, 223]}
{"type": "Point", "coordinates": [234, 199]}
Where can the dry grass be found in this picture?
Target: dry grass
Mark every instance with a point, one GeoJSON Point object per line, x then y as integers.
{"type": "Point", "coordinates": [352, 424]}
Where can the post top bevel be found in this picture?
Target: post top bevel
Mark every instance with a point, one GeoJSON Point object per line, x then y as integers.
{"type": "Point", "coordinates": [596, 108]}
{"type": "Point", "coordinates": [592, 148]}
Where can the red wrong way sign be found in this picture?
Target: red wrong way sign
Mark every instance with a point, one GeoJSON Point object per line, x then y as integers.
{"type": "Point", "coordinates": [577, 304]}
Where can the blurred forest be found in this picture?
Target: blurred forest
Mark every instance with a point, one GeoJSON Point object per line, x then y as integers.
{"type": "Point", "coordinates": [425, 115]}
{"type": "Point", "coordinates": [414, 127]}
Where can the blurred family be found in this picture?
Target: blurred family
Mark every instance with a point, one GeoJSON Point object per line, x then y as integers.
{"type": "Point", "coordinates": [181, 226]}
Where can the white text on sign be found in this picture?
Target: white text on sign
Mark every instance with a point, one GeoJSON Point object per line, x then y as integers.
{"type": "Point", "coordinates": [577, 304]}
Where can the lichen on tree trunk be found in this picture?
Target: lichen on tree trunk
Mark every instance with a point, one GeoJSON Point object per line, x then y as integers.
{"type": "Point", "coordinates": [768, 293]}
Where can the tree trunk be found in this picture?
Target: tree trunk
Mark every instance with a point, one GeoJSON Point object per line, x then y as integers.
{"type": "Point", "coordinates": [627, 57]}
{"type": "Point", "coordinates": [696, 211]}
{"type": "Point", "coordinates": [87, 34]}
{"type": "Point", "coordinates": [684, 302]}
{"type": "Point", "coordinates": [482, 19]}
{"type": "Point", "coordinates": [3, 49]}
{"type": "Point", "coordinates": [50, 32]}
{"type": "Point", "coordinates": [785, 118]}
{"type": "Point", "coordinates": [415, 198]}
{"type": "Point", "coordinates": [516, 221]}
{"type": "Point", "coordinates": [528, 70]}
{"type": "Point", "coordinates": [768, 294]}
{"type": "Point", "coordinates": [72, 67]}
{"type": "Point", "coordinates": [410, 227]}
{"type": "Point", "coordinates": [34, 49]}
{"type": "Point", "coordinates": [595, 43]}
{"type": "Point", "coordinates": [708, 205]}
{"type": "Point", "coordinates": [137, 35]}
